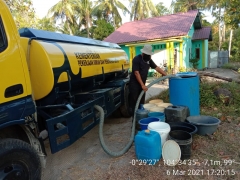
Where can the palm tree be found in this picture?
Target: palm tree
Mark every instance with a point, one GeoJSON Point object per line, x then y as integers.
{"type": "Point", "coordinates": [162, 10]}
{"type": "Point", "coordinates": [141, 9]}
{"type": "Point", "coordinates": [71, 27]}
{"type": "Point", "coordinates": [64, 10]}
{"type": "Point", "coordinates": [185, 5]}
{"type": "Point", "coordinates": [84, 10]}
{"type": "Point", "coordinates": [110, 11]}
{"type": "Point", "coordinates": [217, 8]}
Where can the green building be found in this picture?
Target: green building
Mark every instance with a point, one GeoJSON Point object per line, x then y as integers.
{"type": "Point", "coordinates": [177, 39]}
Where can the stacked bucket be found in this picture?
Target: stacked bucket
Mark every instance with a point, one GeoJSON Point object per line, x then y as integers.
{"type": "Point", "coordinates": [164, 123]}
{"type": "Point", "coordinates": [173, 134]}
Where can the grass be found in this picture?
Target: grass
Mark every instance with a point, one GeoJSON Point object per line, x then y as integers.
{"type": "Point", "coordinates": [233, 65]}
{"type": "Point", "coordinates": [211, 104]}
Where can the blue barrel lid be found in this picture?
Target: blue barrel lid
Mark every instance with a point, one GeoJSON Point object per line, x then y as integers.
{"type": "Point", "coordinates": [187, 74]}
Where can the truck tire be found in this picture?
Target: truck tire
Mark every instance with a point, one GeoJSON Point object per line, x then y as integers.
{"type": "Point", "coordinates": [124, 108]}
{"type": "Point", "coordinates": [18, 161]}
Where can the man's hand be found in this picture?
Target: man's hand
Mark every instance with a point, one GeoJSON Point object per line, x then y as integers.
{"type": "Point", "coordinates": [139, 79]}
{"type": "Point", "coordinates": [144, 88]}
{"type": "Point", "coordinates": [159, 70]}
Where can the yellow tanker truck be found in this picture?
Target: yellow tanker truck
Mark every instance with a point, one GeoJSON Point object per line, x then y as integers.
{"type": "Point", "coordinates": [50, 83]}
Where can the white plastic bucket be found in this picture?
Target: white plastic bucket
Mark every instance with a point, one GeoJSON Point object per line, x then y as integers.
{"type": "Point", "coordinates": [155, 101]}
{"type": "Point", "coordinates": [158, 103]}
{"type": "Point", "coordinates": [165, 105]}
{"type": "Point", "coordinates": [149, 106]}
{"type": "Point", "coordinates": [156, 109]}
{"type": "Point", "coordinates": [162, 128]}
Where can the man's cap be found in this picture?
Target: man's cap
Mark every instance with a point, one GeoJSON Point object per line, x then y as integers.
{"type": "Point", "coordinates": [147, 49]}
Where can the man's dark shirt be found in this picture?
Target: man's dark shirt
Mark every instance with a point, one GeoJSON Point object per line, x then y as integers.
{"type": "Point", "coordinates": [138, 64]}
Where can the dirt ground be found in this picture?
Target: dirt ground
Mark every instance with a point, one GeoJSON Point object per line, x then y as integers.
{"type": "Point", "coordinates": [213, 157]}
{"type": "Point", "coordinates": [86, 160]}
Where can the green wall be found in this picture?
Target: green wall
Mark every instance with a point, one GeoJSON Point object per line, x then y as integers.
{"type": "Point", "coordinates": [137, 50]}
{"type": "Point", "coordinates": [126, 49]}
{"type": "Point", "coordinates": [203, 46]}
{"type": "Point", "coordinates": [187, 47]}
{"type": "Point", "coordinates": [195, 45]}
{"type": "Point", "coordinates": [189, 50]}
{"type": "Point", "coordinates": [156, 47]}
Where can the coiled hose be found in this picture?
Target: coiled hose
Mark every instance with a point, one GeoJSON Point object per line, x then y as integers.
{"type": "Point", "coordinates": [127, 147]}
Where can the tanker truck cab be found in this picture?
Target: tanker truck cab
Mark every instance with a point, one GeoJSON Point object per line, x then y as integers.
{"type": "Point", "coordinates": [20, 150]}
{"type": "Point", "coordinates": [51, 84]}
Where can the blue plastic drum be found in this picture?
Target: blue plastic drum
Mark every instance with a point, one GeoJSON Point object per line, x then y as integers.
{"type": "Point", "coordinates": [184, 90]}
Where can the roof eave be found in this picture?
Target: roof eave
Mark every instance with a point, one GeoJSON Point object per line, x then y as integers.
{"type": "Point", "coordinates": [175, 39]}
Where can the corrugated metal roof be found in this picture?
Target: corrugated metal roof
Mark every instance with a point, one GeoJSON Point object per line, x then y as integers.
{"type": "Point", "coordinates": [154, 28]}
{"type": "Point", "coordinates": [204, 33]}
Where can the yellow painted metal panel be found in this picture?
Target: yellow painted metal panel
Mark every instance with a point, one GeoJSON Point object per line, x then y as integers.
{"type": "Point", "coordinates": [172, 54]}
{"type": "Point", "coordinates": [41, 73]}
{"type": "Point", "coordinates": [13, 71]}
{"type": "Point", "coordinates": [91, 60]}
{"type": "Point", "coordinates": [168, 55]}
{"type": "Point", "coordinates": [63, 77]}
{"type": "Point", "coordinates": [181, 55]}
{"type": "Point", "coordinates": [132, 55]}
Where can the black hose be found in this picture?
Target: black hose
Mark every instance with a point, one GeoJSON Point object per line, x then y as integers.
{"type": "Point", "coordinates": [127, 147]}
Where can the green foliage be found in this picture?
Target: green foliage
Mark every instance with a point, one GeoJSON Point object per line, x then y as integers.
{"type": "Point", "coordinates": [71, 28]}
{"type": "Point", "coordinates": [207, 97]}
{"type": "Point", "coordinates": [46, 24]}
{"type": "Point", "coordinates": [102, 30]}
{"type": "Point", "coordinates": [233, 65]}
{"type": "Point", "coordinates": [63, 10]}
{"type": "Point", "coordinates": [205, 22]}
{"type": "Point", "coordinates": [232, 14]}
{"type": "Point", "coordinates": [209, 101]}
{"type": "Point", "coordinates": [194, 62]}
{"type": "Point", "coordinates": [141, 9]}
{"type": "Point", "coordinates": [228, 66]}
{"type": "Point", "coordinates": [23, 13]}
{"type": "Point", "coordinates": [184, 5]}
{"type": "Point", "coordinates": [235, 45]}
{"type": "Point", "coordinates": [164, 95]}
{"type": "Point", "coordinates": [162, 10]}
{"type": "Point", "coordinates": [235, 50]}
{"type": "Point", "coordinates": [84, 10]}
{"type": "Point", "coordinates": [110, 11]}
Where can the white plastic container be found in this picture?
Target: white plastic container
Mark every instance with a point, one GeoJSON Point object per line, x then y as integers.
{"type": "Point", "coordinates": [148, 106]}
{"type": "Point", "coordinates": [162, 128]}
{"type": "Point", "coordinates": [157, 109]}
{"type": "Point", "coordinates": [158, 103]}
{"type": "Point", "coordinates": [165, 105]}
{"type": "Point", "coordinates": [155, 101]}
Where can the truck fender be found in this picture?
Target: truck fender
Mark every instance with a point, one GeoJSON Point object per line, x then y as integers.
{"type": "Point", "coordinates": [36, 144]}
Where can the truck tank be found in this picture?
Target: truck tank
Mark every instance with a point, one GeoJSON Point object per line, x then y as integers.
{"type": "Point", "coordinates": [60, 61]}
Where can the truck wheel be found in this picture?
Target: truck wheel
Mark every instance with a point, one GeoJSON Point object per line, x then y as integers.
{"type": "Point", "coordinates": [18, 161]}
{"type": "Point", "coordinates": [124, 108]}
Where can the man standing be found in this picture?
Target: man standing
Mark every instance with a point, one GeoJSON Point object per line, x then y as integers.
{"type": "Point", "coordinates": [140, 66]}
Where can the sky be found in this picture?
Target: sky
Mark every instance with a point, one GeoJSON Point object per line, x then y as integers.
{"type": "Point", "coordinates": [42, 7]}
